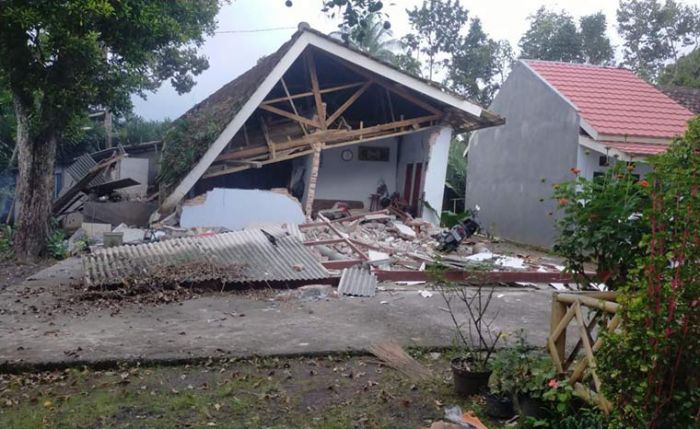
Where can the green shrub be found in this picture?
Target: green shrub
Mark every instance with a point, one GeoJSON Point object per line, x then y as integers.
{"type": "Point", "coordinates": [650, 368]}
{"type": "Point", "coordinates": [7, 234]}
{"type": "Point", "coordinates": [56, 245]}
{"type": "Point", "coordinates": [601, 223]}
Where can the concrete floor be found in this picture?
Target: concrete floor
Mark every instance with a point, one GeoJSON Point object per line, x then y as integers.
{"type": "Point", "coordinates": [39, 327]}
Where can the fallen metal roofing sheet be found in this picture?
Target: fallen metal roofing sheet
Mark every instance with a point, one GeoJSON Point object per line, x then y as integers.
{"type": "Point", "coordinates": [357, 281]}
{"type": "Point", "coordinates": [81, 167]}
{"type": "Point", "coordinates": [248, 253]}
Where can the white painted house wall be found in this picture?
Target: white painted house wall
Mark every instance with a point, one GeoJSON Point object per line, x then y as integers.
{"type": "Point", "coordinates": [355, 180]}
{"type": "Point", "coordinates": [588, 162]}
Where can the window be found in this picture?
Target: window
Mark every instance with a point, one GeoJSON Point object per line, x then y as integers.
{"type": "Point", "coordinates": [373, 153]}
{"type": "Point", "coordinates": [603, 161]}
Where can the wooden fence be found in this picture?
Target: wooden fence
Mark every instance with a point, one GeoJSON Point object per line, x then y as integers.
{"type": "Point", "coordinates": [600, 313]}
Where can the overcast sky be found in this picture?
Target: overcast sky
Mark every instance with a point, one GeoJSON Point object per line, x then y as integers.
{"type": "Point", "coordinates": [232, 53]}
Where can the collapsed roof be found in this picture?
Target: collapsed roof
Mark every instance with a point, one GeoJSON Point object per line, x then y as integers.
{"type": "Point", "coordinates": [313, 90]}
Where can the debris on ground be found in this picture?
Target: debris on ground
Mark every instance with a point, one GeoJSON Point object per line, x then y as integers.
{"type": "Point", "coordinates": [394, 356]}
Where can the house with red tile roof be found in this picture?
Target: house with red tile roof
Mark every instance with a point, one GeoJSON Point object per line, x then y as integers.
{"type": "Point", "coordinates": [560, 116]}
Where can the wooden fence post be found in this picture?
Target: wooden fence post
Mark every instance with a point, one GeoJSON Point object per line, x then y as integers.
{"type": "Point", "coordinates": [558, 312]}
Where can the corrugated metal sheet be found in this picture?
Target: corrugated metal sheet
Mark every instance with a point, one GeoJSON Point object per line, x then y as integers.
{"type": "Point", "coordinates": [81, 167]}
{"type": "Point", "coordinates": [248, 253]}
{"type": "Point", "coordinates": [357, 281]}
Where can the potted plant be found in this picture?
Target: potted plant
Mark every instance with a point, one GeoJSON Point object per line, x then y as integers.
{"type": "Point", "coordinates": [533, 385]}
{"type": "Point", "coordinates": [474, 340]}
{"type": "Point", "coordinates": [521, 374]}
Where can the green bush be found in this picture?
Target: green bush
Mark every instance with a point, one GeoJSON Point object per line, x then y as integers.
{"type": "Point", "coordinates": [601, 223]}
{"type": "Point", "coordinates": [56, 245]}
{"type": "Point", "coordinates": [651, 367]}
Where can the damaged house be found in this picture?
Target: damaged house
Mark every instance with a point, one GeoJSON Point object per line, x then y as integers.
{"type": "Point", "coordinates": [319, 121]}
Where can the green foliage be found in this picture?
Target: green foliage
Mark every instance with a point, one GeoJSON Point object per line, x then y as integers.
{"type": "Point", "coordinates": [649, 369]}
{"type": "Point", "coordinates": [601, 222]}
{"type": "Point", "coordinates": [517, 370]}
{"type": "Point", "coordinates": [373, 38]}
{"type": "Point", "coordinates": [56, 246]}
{"type": "Point", "coordinates": [654, 33]}
{"type": "Point", "coordinates": [554, 36]}
{"type": "Point", "coordinates": [551, 36]}
{"type": "Point", "coordinates": [594, 41]}
{"type": "Point", "coordinates": [135, 129]}
{"type": "Point", "coordinates": [436, 29]}
{"type": "Point", "coordinates": [684, 72]}
{"type": "Point", "coordinates": [6, 238]}
{"type": "Point", "coordinates": [476, 67]}
{"type": "Point", "coordinates": [185, 143]}
{"type": "Point", "coordinates": [457, 168]}
{"type": "Point", "coordinates": [354, 13]}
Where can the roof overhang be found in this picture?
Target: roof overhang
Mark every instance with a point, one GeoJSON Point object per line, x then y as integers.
{"type": "Point", "coordinates": [624, 151]}
{"type": "Point", "coordinates": [304, 39]}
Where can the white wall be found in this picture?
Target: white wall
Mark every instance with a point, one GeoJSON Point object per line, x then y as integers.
{"type": "Point", "coordinates": [355, 180]}
{"type": "Point", "coordinates": [588, 162]}
{"type": "Point", "coordinates": [137, 169]}
{"type": "Point", "coordinates": [434, 182]}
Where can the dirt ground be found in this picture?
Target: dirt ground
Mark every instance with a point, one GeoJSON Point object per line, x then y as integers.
{"type": "Point", "coordinates": [328, 392]}
{"type": "Point", "coordinates": [12, 272]}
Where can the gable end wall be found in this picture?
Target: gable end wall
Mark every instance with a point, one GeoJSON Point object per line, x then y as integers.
{"type": "Point", "coordinates": [506, 165]}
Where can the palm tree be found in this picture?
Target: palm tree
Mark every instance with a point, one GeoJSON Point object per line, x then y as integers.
{"type": "Point", "coordinates": [374, 38]}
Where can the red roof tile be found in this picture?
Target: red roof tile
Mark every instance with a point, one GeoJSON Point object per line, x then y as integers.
{"type": "Point", "coordinates": [637, 148]}
{"type": "Point", "coordinates": [615, 101]}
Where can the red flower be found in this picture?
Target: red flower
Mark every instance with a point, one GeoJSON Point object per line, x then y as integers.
{"type": "Point", "coordinates": [553, 383]}
{"type": "Point", "coordinates": [575, 170]}
{"type": "Point", "coordinates": [643, 183]}
{"type": "Point", "coordinates": [563, 201]}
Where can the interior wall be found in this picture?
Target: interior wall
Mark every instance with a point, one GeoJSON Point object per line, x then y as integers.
{"type": "Point", "coordinates": [355, 180]}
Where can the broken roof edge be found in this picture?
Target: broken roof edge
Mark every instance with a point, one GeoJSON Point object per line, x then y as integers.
{"type": "Point", "coordinates": [283, 59]}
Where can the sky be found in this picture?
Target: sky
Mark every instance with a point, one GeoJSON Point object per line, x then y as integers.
{"type": "Point", "coordinates": [239, 43]}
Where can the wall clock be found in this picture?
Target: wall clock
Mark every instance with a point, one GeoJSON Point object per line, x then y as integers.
{"type": "Point", "coordinates": [346, 155]}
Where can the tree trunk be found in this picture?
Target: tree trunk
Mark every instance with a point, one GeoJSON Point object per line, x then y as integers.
{"type": "Point", "coordinates": [34, 191]}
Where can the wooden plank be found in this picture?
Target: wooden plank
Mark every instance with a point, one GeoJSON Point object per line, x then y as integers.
{"type": "Point", "coordinates": [310, 93]}
{"type": "Point", "coordinates": [270, 144]}
{"type": "Point", "coordinates": [292, 116]}
{"type": "Point", "coordinates": [320, 107]}
{"type": "Point", "coordinates": [395, 88]}
{"type": "Point", "coordinates": [587, 347]}
{"type": "Point", "coordinates": [557, 345]}
{"type": "Point", "coordinates": [343, 263]}
{"type": "Point", "coordinates": [294, 107]}
{"type": "Point", "coordinates": [213, 172]}
{"type": "Point", "coordinates": [582, 364]}
{"type": "Point", "coordinates": [337, 232]}
{"type": "Point", "coordinates": [589, 328]}
{"type": "Point", "coordinates": [327, 136]}
{"type": "Point", "coordinates": [348, 103]}
{"type": "Point", "coordinates": [607, 306]}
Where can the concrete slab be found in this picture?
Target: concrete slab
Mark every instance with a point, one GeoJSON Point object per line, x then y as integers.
{"type": "Point", "coordinates": [37, 326]}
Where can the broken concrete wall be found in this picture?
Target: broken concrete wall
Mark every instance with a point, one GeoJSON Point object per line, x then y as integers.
{"type": "Point", "coordinates": [137, 169]}
{"type": "Point", "coordinates": [239, 208]}
{"type": "Point", "coordinates": [435, 174]}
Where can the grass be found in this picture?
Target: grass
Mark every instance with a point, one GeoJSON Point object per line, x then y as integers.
{"type": "Point", "coordinates": [331, 392]}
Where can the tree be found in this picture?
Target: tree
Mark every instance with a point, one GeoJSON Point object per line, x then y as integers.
{"type": "Point", "coordinates": [437, 25]}
{"type": "Point", "coordinates": [373, 37]}
{"type": "Point", "coordinates": [684, 72]}
{"type": "Point", "coordinates": [476, 67]}
{"type": "Point", "coordinates": [552, 36]}
{"type": "Point", "coordinates": [61, 58]}
{"type": "Point", "coordinates": [595, 44]}
{"type": "Point", "coordinates": [655, 34]}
